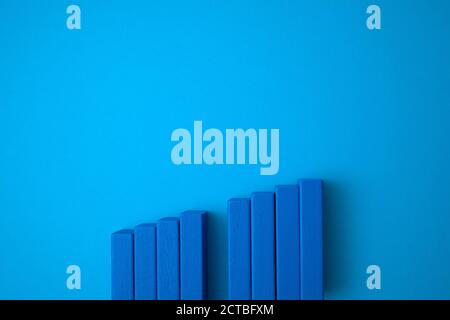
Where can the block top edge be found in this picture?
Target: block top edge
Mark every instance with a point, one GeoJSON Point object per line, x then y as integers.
{"type": "Point", "coordinates": [310, 180]}
{"type": "Point", "coordinates": [263, 193]}
{"type": "Point", "coordinates": [168, 219]}
{"type": "Point", "coordinates": [146, 225]}
{"type": "Point", "coordinates": [286, 186]}
{"type": "Point", "coordinates": [193, 212]}
{"type": "Point", "coordinates": [124, 231]}
{"type": "Point", "coordinates": [239, 200]}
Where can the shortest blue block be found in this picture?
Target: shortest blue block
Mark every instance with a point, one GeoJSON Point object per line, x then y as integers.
{"type": "Point", "coordinates": [122, 265]}
{"type": "Point", "coordinates": [145, 262]}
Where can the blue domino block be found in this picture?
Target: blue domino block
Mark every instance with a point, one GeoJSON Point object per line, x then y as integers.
{"type": "Point", "coordinates": [168, 259]}
{"type": "Point", "coordinates": [263, 245]}
{"type": "Point", "coordinates": [193, 255]}
{"type": "Point", "coordinates": [287, 243]}
{"type": "Point", "coordinates": [239, 250]}
{"type": "Point", "coordinates": [311, 241]}
{"type": "Point", "coordinates": [145, 262]}
{"type": "Point", "coordinates": [122, 265]}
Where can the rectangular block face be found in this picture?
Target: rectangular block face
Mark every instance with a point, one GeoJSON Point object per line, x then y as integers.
{"type": "Point", "coordinates": [287, 243]}
{"type": "Point", "coordinates": [168, 259]}
{"type": "Point", "coordinates": [239, 250]}
{"type": "Point", "coordinates": [263, 245]}
{"type": "Point", "coordinates": [193, 255]}
{"type": "Point", "coordinates": [311, 243]}
{"type": "Point", "coordinates": [122, 265]}
{"type": "Point", "coordinates": [145, 262]}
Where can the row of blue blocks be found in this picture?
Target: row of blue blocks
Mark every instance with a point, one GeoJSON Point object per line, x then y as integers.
{"type": "Point", "coordinates": [275, 244]}
{"type": "Point", "coordinates": [164, 260]}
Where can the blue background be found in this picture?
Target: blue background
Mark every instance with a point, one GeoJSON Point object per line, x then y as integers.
{"type": "Point", "coordinates": [86, 118]}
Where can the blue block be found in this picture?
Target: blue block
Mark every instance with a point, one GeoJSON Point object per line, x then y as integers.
{"type": "Point", "coordinates": [145, 262]}
{"type": "Point", "coordinates": [122, 265]}
{"type": "Point", "coordinates": [311, 241]}
{"type": "Point", "coordinates": [168, 259]}
{"type": "Point", "coordinates": [239, 250]}
{"type": "Point", "coordinates": [263, 245]}
{"type": "Point", "coordinates": [193, 255]}
{"type": "Point", "coordinates": [288, 242]}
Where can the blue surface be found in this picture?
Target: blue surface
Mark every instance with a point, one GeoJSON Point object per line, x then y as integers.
{"type": "Point", "coordinates": [86, 118]}
{"type": "Point", "coordinates": [263, 245]}
{"type": "Point", "coordinates": [193, 259]}
{"type": "Point", "coordinates": [287, 242]}
{"type": "Point", "coordinates": [145, 262]}
{"type": "Point", "coordinates": [122, 265]}
{"type": "Point", "coordinates": [239, 250]}
{"type": "Point", "coordinates": [168, 259]}
{"type": "Point", "coordinates": [311, 239]}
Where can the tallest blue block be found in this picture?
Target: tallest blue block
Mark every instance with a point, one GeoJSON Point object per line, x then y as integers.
{"type": "Point", "coordinates": [287, 243]}
{"type": "Point", "coordinates": [311, 243]}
